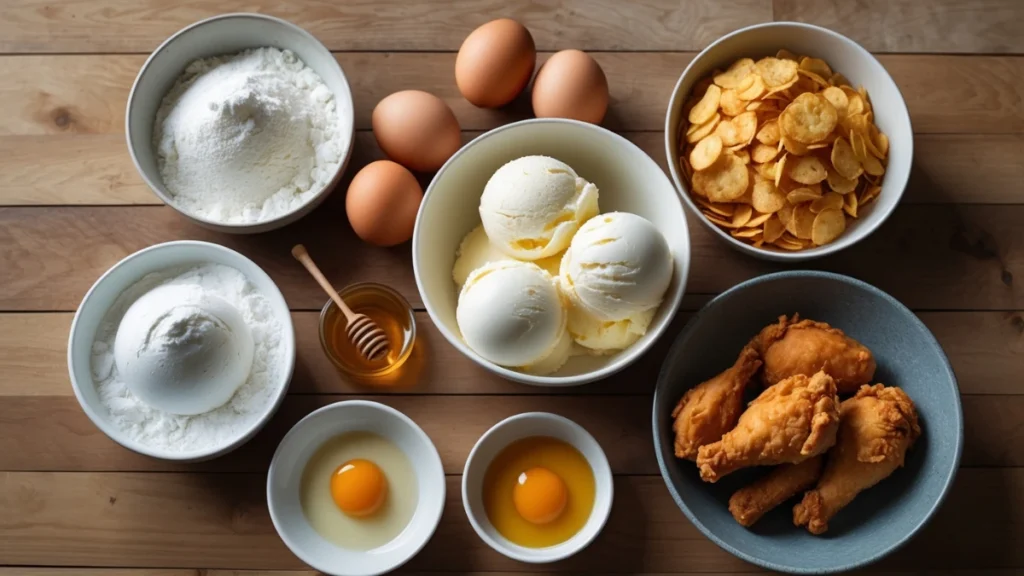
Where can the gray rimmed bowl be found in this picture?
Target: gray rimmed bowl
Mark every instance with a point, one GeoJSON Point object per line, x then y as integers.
{"type": "Point", "coordinates": [218, 36]}
{"type": "Point", "coordinates": [882, 518]}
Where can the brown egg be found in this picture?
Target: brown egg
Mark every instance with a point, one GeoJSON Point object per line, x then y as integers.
{"type": "Point", "coordinates": [382, 202]}
{"type": "Point", "coordinates": [495, 63]}
{"type": "Point", "coordinates": [416, 129]}
{"type": "Point", "coordinates": [571, 85]}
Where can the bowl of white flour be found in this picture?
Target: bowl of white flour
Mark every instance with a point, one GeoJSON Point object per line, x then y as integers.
{"type": "Point", "coordinates": [243, 123]}
{"type": "Point", "coordinates": [105, 390]}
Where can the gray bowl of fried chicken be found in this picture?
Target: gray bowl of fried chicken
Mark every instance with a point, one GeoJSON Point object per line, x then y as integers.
{"type": "Point", "coordinates": [807, 422]}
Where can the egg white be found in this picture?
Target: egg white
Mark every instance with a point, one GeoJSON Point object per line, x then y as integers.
{"type": "Point", "coordinates": [333, 524]}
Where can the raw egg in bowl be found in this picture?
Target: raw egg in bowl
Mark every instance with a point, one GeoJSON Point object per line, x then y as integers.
{"type": "Point", "coordinates": [355, 488]}
{"type": "Point", "coordinates": [537, 487]}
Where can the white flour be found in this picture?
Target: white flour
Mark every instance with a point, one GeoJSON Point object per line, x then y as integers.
{"type": "Point", "coordinates": [221, 426]}
{"type": "Point", "coordinates": [248, 137]}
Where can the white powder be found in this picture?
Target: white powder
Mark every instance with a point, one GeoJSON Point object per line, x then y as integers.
{"type": "Point", "coordinates": [248, 137]}
{"type": "Point", "coordinates": [158, 429]}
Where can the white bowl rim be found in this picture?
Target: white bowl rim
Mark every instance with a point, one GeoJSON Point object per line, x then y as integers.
{"type": "Point", "coordinates": [677, 497]}
{"type": "Point", "coordinates": [116, 435]}
{"type": "Point", "coordinates": [235, 226]}
{"type": "Point", "coordinates": [631, 355]}
{"type": "Point", "coordinates": [602, 463]}
{"type": "Point", "coordinates": [803, 255]}
{"type": "Point", "coordinates": [436, 510]}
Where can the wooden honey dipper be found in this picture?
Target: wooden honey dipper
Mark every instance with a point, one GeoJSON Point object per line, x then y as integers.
{"type": "Point", "coordinates": [362, 331]}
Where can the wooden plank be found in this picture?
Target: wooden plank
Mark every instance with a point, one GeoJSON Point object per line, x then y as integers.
{"type": "Point", "coordinates": [87, 93]}
{"type": "Point", "coordinates": [966, 169]}
{"type": "Point", "coordinates": [41, 433]}
{"type": "Point", "coordinates": [978, 26]}
{"type": "Point", "coordinates": [983, 347]}
{"type": "Point", "coordinates": [929, 256]}
{"type": "Point", "coordinates": [622, 424]}
{"type": "Point", "coordinates": [139, 26]}
{"type": "Point", "coordinates": [94, 169]}
{"type": "Point", "coordinates": [25, 571]}
{"type": "Point", "coordinates": [130, 519]}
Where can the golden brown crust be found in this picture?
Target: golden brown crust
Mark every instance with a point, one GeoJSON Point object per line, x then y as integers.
{"type": "Point", "coordinates": [789, 422]}
{"type": "Point", "coordinates": [792, 346]}
{"type": "Point", "coordinates": [748, 504]}
{"type": "Point", "coordinates": [712, 408]}
{"type": "Point", "coordinates": [877, 427]}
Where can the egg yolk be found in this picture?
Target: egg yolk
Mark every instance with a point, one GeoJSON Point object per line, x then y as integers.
{"type": "Point", "coordinates": [358, 487]}
{"type": "Point", "coordinates": [539, 496]}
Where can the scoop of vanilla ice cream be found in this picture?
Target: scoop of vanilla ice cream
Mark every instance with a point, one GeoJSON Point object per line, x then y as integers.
{"type": "Point", "coordinates": [532, 206]}
{"type": "Point", "coordinates": [183, 350]}
{"type": "Point", "coordinates": [511, 313]}
{"type": "Point", "coordinates": [617, 266]}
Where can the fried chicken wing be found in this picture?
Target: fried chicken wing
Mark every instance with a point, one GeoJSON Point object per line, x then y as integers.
{"type": "Point", "coordinates": [748, 504]}
{"type": "Point", "coordinates": [711, 408]}
{"type": "Point", "coordinates": [789, 422]}
{"type": "Point", "coordinates": [876, 428]}
{"type": "Point", "coordinates": [794, 346]}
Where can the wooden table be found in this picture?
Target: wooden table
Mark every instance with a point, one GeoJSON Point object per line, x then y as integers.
{"type": "Point", "coordinates": [73, 502]}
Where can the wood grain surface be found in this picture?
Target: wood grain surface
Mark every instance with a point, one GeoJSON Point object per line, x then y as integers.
{"type": "Point", "coordinates": [74, 503]}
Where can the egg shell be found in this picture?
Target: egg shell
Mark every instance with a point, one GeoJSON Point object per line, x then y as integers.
{"type": "Point", "coordinates": [382, 202]}
{"type": "Point", "coordinates": [495, 63]}
{"type": "Point", "coordinates": [416, 129]}
{"type": "Point", "coordinates": [571, 84]}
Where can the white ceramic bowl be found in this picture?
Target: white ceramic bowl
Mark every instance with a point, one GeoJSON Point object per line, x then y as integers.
{"type": "Point", "coordinates": [305, 438]}
{"type": "Point", "coordinates": [844, 56]}
{"type": "Point", "coordinates": [126, 273]}
{"type": "Point", "coordinates": [217, 36]}
{"type": "Point", "coordinates": [523, 426]}
{"type": "Point", "coordinates": [628, 181]}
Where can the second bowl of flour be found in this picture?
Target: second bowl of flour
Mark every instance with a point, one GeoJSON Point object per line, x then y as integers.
{"type": "Point", "coordinates": [242, 122]}
{"type": "Point", "coordinates": [184, 310]}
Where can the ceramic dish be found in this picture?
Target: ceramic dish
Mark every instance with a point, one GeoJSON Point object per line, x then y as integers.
{"type": "Point", "coordinates": [515, 428]}
{"type": "Point", "coordinates": [126, 273]}
{"type": "Point", "coordinates": [628, 180]}
{"type": "Point", "coordinates": [216, 36]}
{"type": "Point", "coordinates": [845, 56]}
{"type": "Point", "coordinates": [882, 518]}
{"type": "Point", "coordinates": [301, 443]}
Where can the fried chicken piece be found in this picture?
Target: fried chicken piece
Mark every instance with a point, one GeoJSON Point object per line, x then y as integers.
{"type": "Point", "coordinates": [712, 407]}
{"type": "Point", "coordinates": [748, 504]}
{"type": "Point", "coordinates": [794, 346]}
{"type": "Point", "coordinates": [876, 428]}
{"type": "Point", "coordinates": [789, 422]}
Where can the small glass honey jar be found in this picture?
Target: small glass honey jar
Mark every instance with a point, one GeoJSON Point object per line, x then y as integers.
{"type": "Point", "coordinates": [388, 309]}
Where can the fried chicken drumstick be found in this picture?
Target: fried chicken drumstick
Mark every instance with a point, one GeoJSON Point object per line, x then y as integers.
{"type": "Point", "coordinates": [748, 504]}
{"type": "Point", "coordinates": [791, 421]}
{"type": "Point", "coordinates": [712, 408]}
{"type": "Point", "coordinates": [794, 346]}
{"type": "Point", "coordinates": [876, 428]}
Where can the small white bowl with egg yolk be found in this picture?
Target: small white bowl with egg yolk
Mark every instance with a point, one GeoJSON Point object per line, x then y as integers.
{"type": "Point", "coordinates": [338, 532]}
{"type": "Point", "coordinates": [493, 450]}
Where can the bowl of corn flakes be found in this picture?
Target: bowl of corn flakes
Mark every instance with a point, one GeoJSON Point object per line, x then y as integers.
{"type": "Point", "coordinates": [788, 141]}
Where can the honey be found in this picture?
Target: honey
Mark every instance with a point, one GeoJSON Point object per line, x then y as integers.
{"type": "Point", "coordinates": [384, 306]}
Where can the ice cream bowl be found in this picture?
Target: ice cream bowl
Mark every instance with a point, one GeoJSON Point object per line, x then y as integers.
{"type": "Point", "coordinates": [301, 443]}
{"type": "Point", "coordinates": [224, 35]}
{"type": "Point", "coordinates": [106, 291]}
{"type": "Point", "coordinates": [516, 428]}
{"type": "Point", "coordinates": [628, 181]}
{"type": "Point", "coordinates": [845, 57]}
